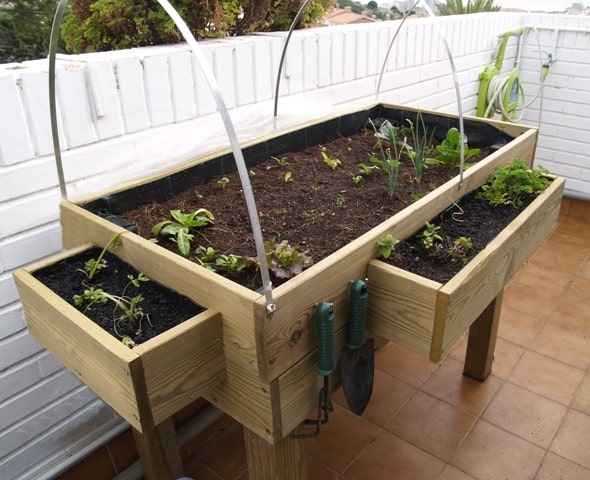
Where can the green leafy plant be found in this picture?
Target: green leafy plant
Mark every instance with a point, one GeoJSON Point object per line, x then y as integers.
{"type": "Point", "coordinates": [420, 152]}
{"type": "Point", "coordinates": [129, 306]}
{"type": "Point", "coordinates": [92, 265]}
{"type": "Point", "coordinates": [232, 263]}
{"type": "Point", "coordinates": [389, 162]}
{"type": "Point", "coordinates": [280, 162]}
{"type": "Point", "coordinates": [286, 260]}
{"type": "Point", "coordinates": [206, 256]}
{"type": "Point", "coordinates": [288, 177]}
{"type": "Point", "coordinates": [178, 229]}
{"type": "Point", "coordinates": [356, 179]}
{"type": "Point", "coordinates": [461, 247]}
{"type": "Point", "coordinates": [507, 185]}
{"type": "Point", "coordinates": [387, 245]}
{"type": "Point", "coordinates": [367, 170]}
{"type": "Point", "coordinates": [450, 149]}
{"type": "Point", "coordinates": [431, 239]}
{"type": "Point", "coordinates": [333, 163]}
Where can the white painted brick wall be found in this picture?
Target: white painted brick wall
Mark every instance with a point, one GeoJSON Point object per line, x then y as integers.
{"type": "Point", "coordinates": [146, 109]}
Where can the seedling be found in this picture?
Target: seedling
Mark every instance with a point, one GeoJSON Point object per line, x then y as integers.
{"type": "Point", "coordinates": [461, 248]}
{"type": "Point", "coordinates": [450, 149]}
{"type": "Point", "coordinates": [387, 245]}
{"type": "Point", "coordinates": [178, 229]}
{"type": "Point", "coordinates": [389, 162]}
{"type": "Point", "coordinates": [507, 185]}
{"type": "Point", "coordinates": [94, 265]}
{"type": "Point", "coordinates": [280, 162]}
{"type": "Point", "coordinates": [223, 182]}
{"type": "Point", "coordinates": [331, 162]}
{"type": "Point", "coordinates": [286, 260]}
{"type": "Point", "coordinates": [288, 177]}
{"type": "Point", "coordinates": [232, 263]}
{"type": "Point", "coordinates": [430, 236]}
{"type": "Point", "coordinates": [356, 179]}
{"type": "Point", "coordinates": [366, 170]}
{"type": "Point", "coordinates": [206, 256]}
{"type": "Point", "coordinates": [422, 146]}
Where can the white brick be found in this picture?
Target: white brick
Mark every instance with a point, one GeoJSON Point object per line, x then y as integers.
{"type": "Point", "coordinates": [223, 66]}
{"type": "Point", "coordinates": [311, 63]}
{"type": "Point", "coordinates": [23, 249]}
{"type": "Point", "coordinates": [8, 292]}
{"type": "Point", "coordinates": [15, 142]}
{"type": "Point", "coordinates": [29, 212]}
{"type": "Point", "coordinates": [205, 100]}
{"type": "Point", "coordinates": [264, 76]}
{"type": "Point", "coordinates": [157, 89]}
{"type": "Point", "coordinates": [27, 177]}
{"type": "Point", "coordinates": [11, 320]}
{"type": "Point", "coordinates": [17, 348]}
{"type": "Point", "coordinates": [17, 378]}
{"type": "Point", "coordinates": [181, 81]}
{"type": "Point", "coordinates": [74, 106]}
{"type": "Point", "coordinates": [36, 100]}
{"type": "Point", "coordinates": [106, 110]}
{"type": "Point", "coordinates": [129, 77]}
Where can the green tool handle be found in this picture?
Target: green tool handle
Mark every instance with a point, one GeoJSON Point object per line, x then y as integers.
{"type": "Point", "coordinates": [325, 332]}
{"type": "Point", "coordinates": [357, 313]}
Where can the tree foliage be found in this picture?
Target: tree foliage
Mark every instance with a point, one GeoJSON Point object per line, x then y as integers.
{"type": "Point", "coordinates": [356, 7]}
{"type": "Point", "coordinates": [457, 7]}
{"type": "Point", "coordinates": [96, 25]}
{"type": "Point", "coordinates": [24, 29]}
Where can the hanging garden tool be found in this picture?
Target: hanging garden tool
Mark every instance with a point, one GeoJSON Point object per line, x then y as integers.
{"type": "Point", "coordinates": [325, 330]}
{"type": "Point", "coordinates": [357, 365]}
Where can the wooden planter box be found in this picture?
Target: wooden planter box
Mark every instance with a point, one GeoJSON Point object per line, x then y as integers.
{"type": "Point", "coordinates": [146, 384]}
{"type": "Point", "coordinates": [270, 360]}
{"type": "Point", "coordinates": [429, 317]}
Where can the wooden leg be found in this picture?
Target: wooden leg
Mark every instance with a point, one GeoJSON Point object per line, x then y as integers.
{"type": "Point", "coordinates": [482, 341]}
{"type": "Point", "coordinates": [284, 460]}
{"type": "Point", "coordinates": [158, 452]}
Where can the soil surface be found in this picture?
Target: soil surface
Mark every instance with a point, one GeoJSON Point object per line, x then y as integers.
{"type": "Point", "coordinates": [162, 308]}
{"type": "Point", "coordinates": [318, 209]}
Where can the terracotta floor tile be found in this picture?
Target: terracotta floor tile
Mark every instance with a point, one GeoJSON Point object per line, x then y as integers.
{"type": "Point", "coordinates": [193, 468]}
{"type": "Point", "coordinates": [451, 473]}
{"type": "Point", "coordinates": [576, 242]}
{"type": "Point", "coordinates": [571, 441]}
{"type": "Point", "coordinates": [578, 210]}
{"type": "Point", "coordinates": [563, 344]}
{"type": "Point", "coordinates": [584, 270]}
{"type": "Point", "coordinates": [449, 384]}
{"type": "Point", "coordinates": [518, 327]}
{"type": "Point", "coordinates": [432, 425]}
{"type": "Point", "coordinates": [225, 453]}
{"type": "Point", "coordinates": [506, 356]}
{"type": "Point", "coordinates": [526, 414]}
{"type": "Point", "coordinates": [490, 453]}
{"type": "Point", "coordinates": [547, 377]}
{"type": "Point", "coordinates": [572, 314]}
{"type": "Point", "coordinates": [319, 471]}
{"type": "Point", "coordinates": [581, 401]}
{"type": "Point", "coordinates": [555, 467]}
{"type": "Point", "coordinates": [388, 457]}
{"type": "Point", "coordinates": [389, 394]}
{"type": "Point", "coordinates": [530, 300]}
{"type": "Point", "coordinates": [537, 274]}
{"type": "Point", "coordinates": [579, 289]}
{"type": "Point", "coordinates": [404, 364]}
{"type": "Point", "coordinates": [559, 258]}
{"type": "Point", "coordinates": [341, 439]}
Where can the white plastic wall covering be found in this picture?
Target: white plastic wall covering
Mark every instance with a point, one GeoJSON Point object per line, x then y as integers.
{"type": "Point", "coordinates": [244, 77]}
{"type": "Point", "coordinates": [338, 56]}
{"type": "Point", "coordinates": [350, 55]}
{"type": "Point", "coordinates": [36, 104]}
{"type": "Point", "coordinates": [324, 46]}
{"type": "Point", "coordinates": [362, 39]}
{"type": "Point", "coordinates": [15, 140]}
{"type": "Point", "coordinates": [158, 95]}
{"type": "Point", "coordinates": [181, 83]}
{"type": "Point", "coordinates": [129, 75]}
{"type": "Point", "coordinates": [263, 74]}
{"type": "Point", "coordinates": [223, 68]}
{"type": "Point", "coordinates": [310, 68]}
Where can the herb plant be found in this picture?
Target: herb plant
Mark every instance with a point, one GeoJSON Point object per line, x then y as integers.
{"type": "Point", "coordinates": [420, 153]}
{"type": "Point", "coordinates": [389, 162]}
{"type": "Point", "coordinates": [387, 245]}
{"type": "Point", "coordinates": [331, 162]}
{"type": "Point", "coordinates": [431, 239]}
{"type": "Point", "coordinates": [94, 265]}
{"type": "Point", "coordinates": [461, 247]}
{"type": "Point", "coordinates": [507, 185]}
{"type": "Point", "coordinates": [179, 227]}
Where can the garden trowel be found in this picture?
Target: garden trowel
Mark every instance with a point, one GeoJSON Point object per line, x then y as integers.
{"type": "Point", "coordinates": [357, 365]}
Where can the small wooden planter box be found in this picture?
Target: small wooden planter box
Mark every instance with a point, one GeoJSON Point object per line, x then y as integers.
{"type": "Point", "coordinates": [146, 384]}
{"type": "Point", "coordinates": [429, 317]}
{"type": "Point", "coordinates": [271, 380]}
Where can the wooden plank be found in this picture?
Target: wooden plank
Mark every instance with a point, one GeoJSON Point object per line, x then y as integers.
{"type": "Point", "coordinates": [98, 359]}
{"type": "Point", "coordinates": [183, 363]}
{"type": "Point", "coordinates": [283, 460]}
{"type": "Point", "coordinates": [482, 341]}
{"type": "Point", "coordinates": [401, 306]}
{"type": "Point", "coordinates": [158, 451]}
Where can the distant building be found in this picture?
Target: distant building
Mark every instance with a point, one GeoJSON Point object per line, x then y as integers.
{"type": "Point", "coordinates": [345, 16]}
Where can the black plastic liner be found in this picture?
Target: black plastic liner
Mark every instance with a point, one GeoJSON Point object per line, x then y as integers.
{"type": "Point", "coordinates": [479, 134]}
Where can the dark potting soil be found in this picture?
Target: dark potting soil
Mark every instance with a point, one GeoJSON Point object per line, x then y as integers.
{"type": "Point", "coordinates": [319, 209]}
{"type": "Point", "coordinates": [162, 307]}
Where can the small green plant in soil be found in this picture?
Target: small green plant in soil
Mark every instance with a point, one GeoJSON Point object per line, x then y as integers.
{"type": "Point", "coordinates": [507, 185]}
{"type": "Point", "coordinates": [420, 153]}
{"type": "Point", "coordinates": [286, 260]}
{"type": "Point", "coordinates": [178, 229]}
{"type": "Point", "coordinates": [461, 248]}
{"type": "Point", "coordinates": [93, 265]}
{"type": "Point", "coordinates": [232, 263]}
{"type": "Point", "coordinates": [450, 149]}
{"type": "Point", "coordinates": [223, 182]}
{"type": "Point", "coordinates": [280, 162]}
{"type": "Point", "coordinates": [206, 256]}
{"type": "Point", "coordinates": [333, 163]}
{"type": "Point", "coordinates": [389, 162]}
{"type": "Point", "coordinates": [431, 239]}
{"type": "Point", "coordinates": [387, 245]}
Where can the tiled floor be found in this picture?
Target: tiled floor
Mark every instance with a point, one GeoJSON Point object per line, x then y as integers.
{"type": "Point", "coordinates": [529, 420]}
